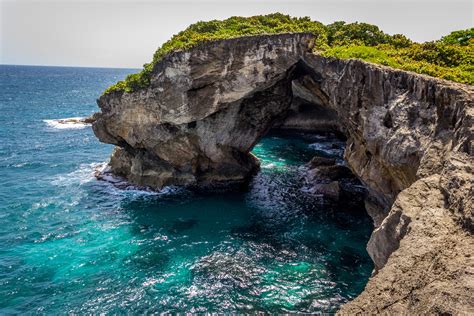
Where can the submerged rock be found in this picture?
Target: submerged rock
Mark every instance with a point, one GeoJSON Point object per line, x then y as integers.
{"type": "Point", "coordinates": [334, 172]}
{"type": "Point", "coordinates": [335, 183]}
{"type": "Point", "coordinates": [318, 161]}
{"type": "Point", "coordinates": [330, 190]}
{"type": "Point", "coordinates": [409, 140]}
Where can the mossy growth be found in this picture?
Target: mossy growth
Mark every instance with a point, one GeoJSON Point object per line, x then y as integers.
{"type": "Point", "coordinates": [450, 58]}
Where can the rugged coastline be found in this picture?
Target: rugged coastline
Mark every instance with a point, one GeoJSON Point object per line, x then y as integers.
{"type": "Point", "coordinates": [409, 142]}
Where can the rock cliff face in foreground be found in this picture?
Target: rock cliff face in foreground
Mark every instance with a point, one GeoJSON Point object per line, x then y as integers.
{"type": "Point", "coordinates": [409, 142]}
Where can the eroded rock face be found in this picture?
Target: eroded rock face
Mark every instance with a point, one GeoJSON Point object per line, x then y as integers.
{"type": "Point", "coordinates": [409, 141]}
{"type": "Point", "coordinates": [204, 111]}
{"type": "Point", "coordinates": [431, 270]}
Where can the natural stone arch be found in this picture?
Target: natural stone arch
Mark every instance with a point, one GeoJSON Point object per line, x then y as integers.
{"type": "Point", "coordinates": [409, 140]}
{"type": "Point", "coordinates": [204, 111]}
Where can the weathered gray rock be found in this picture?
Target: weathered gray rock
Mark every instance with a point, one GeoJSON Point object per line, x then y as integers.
{"type": "Point", "coordinates": [334, 172]}
{"type": "Point", "coordinates": [204, 111]}
{"type": "Point", "coordinates": [426, 257]}
{"type": "Point", "coordinates": [330, 190]}
{"type": "Point", "coordinates": [318, 161]}
{"type": "Point", "coordinates": [409, 141]}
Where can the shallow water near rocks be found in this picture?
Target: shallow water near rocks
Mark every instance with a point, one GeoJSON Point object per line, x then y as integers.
{"type": "Point", "coordinates": [70, 243]}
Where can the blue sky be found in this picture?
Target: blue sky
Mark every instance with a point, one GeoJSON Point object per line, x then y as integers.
{"type": "Point", "coordinates": [125, 33]}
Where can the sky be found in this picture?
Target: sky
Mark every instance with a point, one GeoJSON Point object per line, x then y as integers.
{"type": "Point", "coordinates": [125, 33]}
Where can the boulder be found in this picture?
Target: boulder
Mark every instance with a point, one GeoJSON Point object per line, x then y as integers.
{"type": "Point", "coordinates": [318, 161]}
{"type": "Point", "coordinates": [329, 190]}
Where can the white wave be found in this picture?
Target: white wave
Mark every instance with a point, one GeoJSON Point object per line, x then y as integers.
{"type": "Point", "coordinates": [109, 183]}
{"type": "Point", "coordinates": [119, 186]}
{"type": "Point", "coordinates": [68, 123]}
{"type": "Point", "coordinates": [84, 174]}
{"type": "Point", "coordinates": [269, 166]}
{"type": "Point", "coordinates": [20, 165]}
{"type": "Point", "coordinates": [332, 148]}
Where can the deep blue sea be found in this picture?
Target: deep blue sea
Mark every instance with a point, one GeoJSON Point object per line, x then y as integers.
{"type": "Point", "coordinates": [72, 244]}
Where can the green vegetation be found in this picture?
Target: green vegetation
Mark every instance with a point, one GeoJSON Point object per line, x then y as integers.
{"type": "Point", "coordinates": [451, 57]}
{"type": "Point", "coordinates": [214, 30]}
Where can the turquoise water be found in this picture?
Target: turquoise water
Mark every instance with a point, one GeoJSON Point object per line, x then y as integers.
{"type": "Point", "coordinates": [70, 243]}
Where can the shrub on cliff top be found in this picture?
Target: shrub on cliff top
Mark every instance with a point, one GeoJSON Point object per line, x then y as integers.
{"type": "Point", "coordinates": [450, 58]}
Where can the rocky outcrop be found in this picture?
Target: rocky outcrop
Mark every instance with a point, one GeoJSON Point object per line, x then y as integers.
{"type": "Point", "coordinates": [408, 140]}
{"type": "Point", "coordinates": [335, 183]}
{"type": "Point", "coordinates": [428, 267]}
{"type": "Point", "coordinates": [203, 112]}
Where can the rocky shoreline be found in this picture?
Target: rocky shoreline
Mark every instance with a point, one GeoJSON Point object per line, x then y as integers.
{"type": "Point", "coordinates": [409, 141]}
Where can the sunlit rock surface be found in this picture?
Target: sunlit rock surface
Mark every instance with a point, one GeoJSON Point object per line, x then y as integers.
{"type": "Point", "coordinates": [204, 111]}
{"type": "Point", "coordinates": [409, 141]}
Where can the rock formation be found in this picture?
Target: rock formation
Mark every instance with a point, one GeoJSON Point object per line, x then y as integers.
{"type": "Point", "coordinates": [409, 142]}
{"type": "Point", "coordinates": [203, 112]}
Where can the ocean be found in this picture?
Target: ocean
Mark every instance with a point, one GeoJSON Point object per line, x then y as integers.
{"type": "Point", "coordinates": [72, 244]}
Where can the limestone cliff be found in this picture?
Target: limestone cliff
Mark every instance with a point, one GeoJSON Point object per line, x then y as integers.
{"type": "Point", "coordinates": [203, 112]}
{"type": "Point", "coordinates": [409, 141]}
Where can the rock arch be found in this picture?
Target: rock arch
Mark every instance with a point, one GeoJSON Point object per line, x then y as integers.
{"type": "Point", "coordinates": [409, 140]}
{"type": "Point", "coordinates": [204, 111]}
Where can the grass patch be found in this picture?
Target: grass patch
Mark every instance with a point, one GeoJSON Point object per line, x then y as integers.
{"type": "Point", "coordinates": [407, 59]}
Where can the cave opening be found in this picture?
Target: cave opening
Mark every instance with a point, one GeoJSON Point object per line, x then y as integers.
{"type": "Point", "coordinates": [304, 112]}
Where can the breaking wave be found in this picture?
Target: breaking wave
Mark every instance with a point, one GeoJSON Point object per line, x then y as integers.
{"type": "Point", "coordinates": [68, 123]}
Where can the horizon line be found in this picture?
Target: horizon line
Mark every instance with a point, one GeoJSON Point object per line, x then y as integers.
{"type": "Point", "coordinates": [68, 66]}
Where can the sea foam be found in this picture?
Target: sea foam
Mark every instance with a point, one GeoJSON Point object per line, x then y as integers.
{"type": "Point", "coordinates": [68, 123]}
